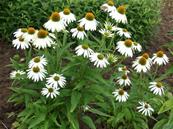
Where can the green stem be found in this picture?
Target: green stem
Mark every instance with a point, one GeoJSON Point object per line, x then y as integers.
{"type": "Point", "coordinates": [64, 39]}
{"type": "Point", "coordinates": [102, 44]}
{"type": "Point", "coordinates": [155, 73]}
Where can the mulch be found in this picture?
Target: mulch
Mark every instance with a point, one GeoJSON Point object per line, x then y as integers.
{"type": "Point", "coordinates": [6, 52]}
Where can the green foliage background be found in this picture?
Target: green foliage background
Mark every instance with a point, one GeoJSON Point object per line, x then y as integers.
{"type": "Point", "coordinates": [143, 15]}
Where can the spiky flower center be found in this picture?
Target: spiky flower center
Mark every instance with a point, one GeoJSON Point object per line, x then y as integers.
{"type": "Point", "coordinates": [100, 56]}
{"type": "Point", "coordinates": [146, 106]}
{"type": "Point", "coordinates": [17, 74]}
{"type": "Point", "coordinates": [36, 69]}
{"type": "Point", "coordinates": [159, 84]}
{"type": "Point", "coordinates": [128, 43]}
{"type": "Point", "coordinates": [110, 3]}
{"type": "Point", "coordinates": [80, 28]}
{"type": "Point", "coordinates": [109, 27]}
{"type": "Point", "coordinates": [121, 92]}
{"type": "Point", "coordinates": [55, 16]}
{"type": "Point", "coordinates": [85, 46]}
{"type": "Point", "coordinates": [42, 33]}
{"type": "Point", "coordinates": [23, 30]}
{"type": "Point", "coordinates": [142, 61]}
{"type": "Point", "coordinates": [124, 77]}
{"type": "Point", "coordinates": [37, 59]}
{"type": "Point", "coordinates": [121, 9]}
{"type": "Point", "coordinates": [67, 11]}
{"type": "Point", "coordinates": [145, 55]}
{"type": "Point", "coordinates": [90, 16]}
{"type": "Point", "coordinates": [31, 30]}
{"type": "Point", "coordinates": [21, 39]}
{"type": "Point", "coordinates": [125, 30]}
{"type": "Point", "coordinates": [160, 54]}
{"type": "Point", "coordinates": [50, 90]}
{"type": "Point", "coordinates": [106, 33]}
{"type": "Point", "coordinates": [56, 78]}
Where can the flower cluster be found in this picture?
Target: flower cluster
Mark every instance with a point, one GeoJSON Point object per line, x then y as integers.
{"type": "Point", "coordinates": [101, 56]}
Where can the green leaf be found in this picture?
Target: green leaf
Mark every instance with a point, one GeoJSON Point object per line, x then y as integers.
{"type": "Point", "coordinates": [73, 120]}
{"type": "Point", "coordinates": [75, 99]}
{"type": "Point", "coordinates": [95, 111]}
{"type": "Point", "coordinates": [37, 120]}
{"type": "Point", "coordinates": [168, 105]}
{"type": "Point", "coordinates": [53, 118]}
{"type": "Point", "coordinates": [159, 124]}
{"type": "Point", "coordinates": [87, 120]}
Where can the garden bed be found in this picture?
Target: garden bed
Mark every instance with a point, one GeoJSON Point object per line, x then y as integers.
{"type": "Point", "coordinates": [6, 52]}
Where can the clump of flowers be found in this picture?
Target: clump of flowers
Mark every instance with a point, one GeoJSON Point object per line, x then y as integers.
{"type": "Point", "coordinates": [66, 63]}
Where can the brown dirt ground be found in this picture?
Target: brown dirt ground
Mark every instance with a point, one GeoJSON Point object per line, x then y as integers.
{"type": "Point", "coordinates": [163, 37]}
{"type": "Point", "coordinates": [6, 52]}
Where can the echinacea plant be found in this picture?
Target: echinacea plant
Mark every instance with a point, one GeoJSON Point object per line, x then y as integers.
{"type": "Point", "coordinates": [62, 80]}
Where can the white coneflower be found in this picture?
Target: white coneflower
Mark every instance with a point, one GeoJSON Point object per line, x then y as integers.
{"type": "Point", "coordinates": [50, 91]}
{"type": "Point", "coordinates": [123, 32]}
{"type": "Point", "coordinates": [125, 47]}
{"type": "Point", "coordinates": [99, 60]}
{"type": "Point", "coordinates": [43, 39]}
{"type": "Point", "coordinates": [121, 95]}
{"type": "Point", "coordinates": [67, 16]}
{"type": "Point", "coordinates": [119, 15]}
{"type": "Point", "coordinates": [108, 7]}
{"type": "Point", "coordinates": [109, 26]}
{"type": "Point", "coordinates": [137, 47]}
{"type": "Point", "coordinates": [38, 61]}
{"type": "Point", "coordinates": [124, 80]}
{"type": "Point", "coordinates": [106, 33]}
{"type": "Point", "coordinates": [145, 109]}
{"type": "Point", "coordinates": [55, 23]}
{"type": "Point", "coordinates": [20, 43]}
{"type": "Point", "coordinates": [157, 88]}
{"type": "Point", "coordinates": [160, 58]}
{"type": "Point", "coordinates": [111, 58]}
{"type": "Point", "coordinates": [36, 74]}
{"type": "Point", "coordinates": [123, 69]}
{"type": "Point", "coordinates": [30, 34]}
{"type": "Point", "coordinates": [78, 32]}
{"type": "Point", "coordinates": [17, 74]}
{"type": "Point", "coordinates": [89, 22]}
{"type": "Point", "coordinates": [84, 50]}
{"type": "Point", "coordinates": [20, 32]}
{"type": "Point", "coordinates": [141, 64]}
{"type": "Point", "coordinates": [56, 80]}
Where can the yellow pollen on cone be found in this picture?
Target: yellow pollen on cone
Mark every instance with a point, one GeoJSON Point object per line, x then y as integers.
{"type": "Point", "coordinates": [36, 69]}
{"type": "Point", "coordinates": [42, 33]}
{"type": "Point", "coordinates": [160, 54]}
{"type": "Point", "coordinates": [67, 11]}
{"type": "Point", "coordinates": [31, 30]}
{"type": "Point", "coordinates": [55, 16]}
{"type": "Point", "coordinates": [142, 61]}
{"type": "Point", "coordinates": [145, 55]}
{"type": "Point", "coordinates": [90, 16]}
{"type": "Point", "coordinates": [37, 59]}
{"type": "Point", "coordinates": [121, 9]}
{"type": "Point", "coordinates": [110, 3]}
{"type": "Point", "coordinates": [121, 92]}
{"type": "Point", "coordinates": [100, 56]}
{"type": "Point", "coordinates": [128, 43]}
